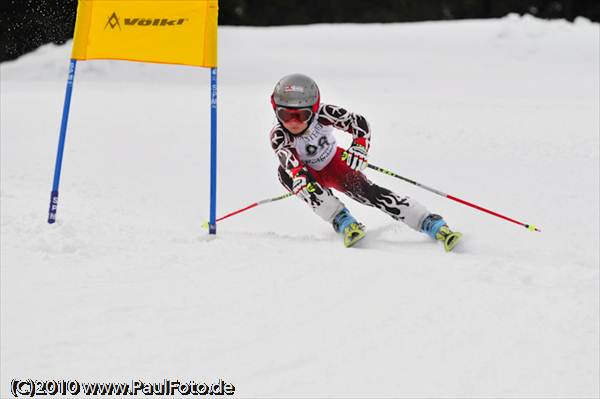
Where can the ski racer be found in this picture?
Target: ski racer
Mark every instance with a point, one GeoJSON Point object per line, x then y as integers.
{"type": "Point", "coordinates": [311, 163]}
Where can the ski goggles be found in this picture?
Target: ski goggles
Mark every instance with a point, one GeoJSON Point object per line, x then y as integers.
{"type": "Point", "coordinates": [287, 114]}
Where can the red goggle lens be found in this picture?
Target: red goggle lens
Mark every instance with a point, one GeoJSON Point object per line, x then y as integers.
{"type": "Point", "coordinates": [287, 114]}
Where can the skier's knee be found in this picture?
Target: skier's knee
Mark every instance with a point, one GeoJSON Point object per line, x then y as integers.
{"type": "Point", "coordinates": [322, 201]}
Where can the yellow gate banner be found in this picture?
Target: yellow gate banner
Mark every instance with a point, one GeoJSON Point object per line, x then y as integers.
{"type": "Point", "coordinates": [163, 31]}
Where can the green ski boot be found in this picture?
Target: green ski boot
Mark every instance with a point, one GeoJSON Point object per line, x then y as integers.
{"type": "Point", "coordinates": [353, 234]}
{"type": "Point", "coordinates": [448, 237]}
{"type": "Point", "coordinates": [345, 224]}
{"type": "Point", "coordinates": [435, 227]}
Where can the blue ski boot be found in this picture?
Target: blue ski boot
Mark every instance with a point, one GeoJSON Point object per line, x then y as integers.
{"type": "Point", "coordinates": [352, 230]}
{"type": "Point", "coordinates": [435, 227]}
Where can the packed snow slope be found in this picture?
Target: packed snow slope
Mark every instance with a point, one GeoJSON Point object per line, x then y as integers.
{"type": "Point", "coordinates": [126, 285]}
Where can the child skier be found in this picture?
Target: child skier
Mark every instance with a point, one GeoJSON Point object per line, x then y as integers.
{"type": "Point", "coordinates": [312, 164]}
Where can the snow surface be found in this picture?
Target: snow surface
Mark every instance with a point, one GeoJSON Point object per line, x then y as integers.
{"type": "Point", "coordinates": [127, 285]}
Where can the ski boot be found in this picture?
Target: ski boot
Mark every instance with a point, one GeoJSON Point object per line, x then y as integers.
{"type": "Point", "coordinates": [435, 227]}
{"type": "Point", "coordinates": [352, 230]}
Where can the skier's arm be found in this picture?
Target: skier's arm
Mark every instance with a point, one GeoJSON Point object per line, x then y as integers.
{"type": "Point", "coordinates": [357, 126]}
{"type": "Point", "coordinates": [303, 182]}
{"type": "Point", "coordinates": [347, 121]}
{"type": "Point", "coordinates": [283, 147]}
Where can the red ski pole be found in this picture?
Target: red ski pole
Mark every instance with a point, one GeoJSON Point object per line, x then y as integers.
{"type": "Point", "coordinates": [205, 224]}
{"type": "Point", "coordinates": [453, 198]}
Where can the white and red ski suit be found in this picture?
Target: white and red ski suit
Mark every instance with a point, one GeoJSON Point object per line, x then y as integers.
{"type": "Point", "coordinates": [316, 149]}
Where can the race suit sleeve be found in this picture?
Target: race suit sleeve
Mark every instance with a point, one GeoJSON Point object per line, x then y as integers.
{"type": "Point", "coordinates": [283, 146]}
{"type": "Point", "coordinates": [347, 121]}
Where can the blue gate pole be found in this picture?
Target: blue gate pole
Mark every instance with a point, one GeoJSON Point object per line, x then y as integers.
{"type": "Point", "coordinates": [61, 144]}
{"type": "Point", "coordinates": [212, 227]}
